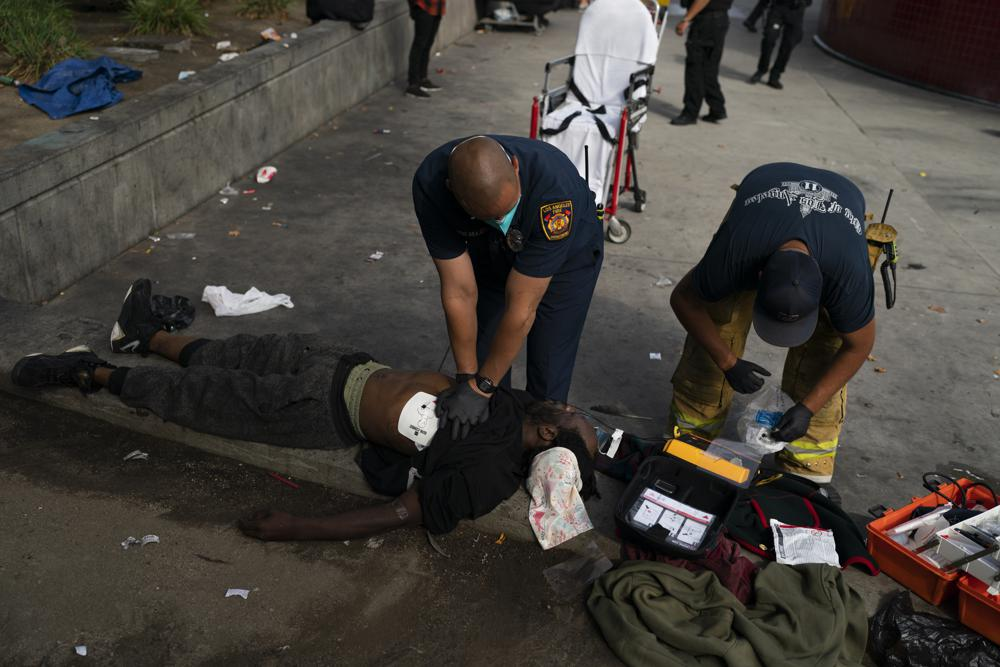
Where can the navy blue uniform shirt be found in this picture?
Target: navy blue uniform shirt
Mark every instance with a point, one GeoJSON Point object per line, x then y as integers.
{"type": "Point", "coordinates": [777, 203]}
{"type": "Point", "coordinates": [557, 216]}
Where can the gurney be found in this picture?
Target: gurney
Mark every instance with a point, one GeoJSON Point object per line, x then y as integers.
{"type": "Point", "coordinates": [595, 117]}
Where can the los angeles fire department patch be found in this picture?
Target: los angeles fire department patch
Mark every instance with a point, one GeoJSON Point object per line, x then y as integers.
{"type": "Point", "coordinates": [557, 220]}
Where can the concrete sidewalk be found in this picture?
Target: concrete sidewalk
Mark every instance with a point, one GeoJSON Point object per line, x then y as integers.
{"type": "Point", "coordinates": [344, 192]}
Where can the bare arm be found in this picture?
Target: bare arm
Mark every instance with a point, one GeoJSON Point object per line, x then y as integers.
{"type": "Point", "coordinates": [403, 512]}
{"type": "Point", "coordinates": [696, 7]}
{"type": "Point", "coordinates": [459, 295]}
{"type": "Point", "coordinates": [851, 356]}
{"type": "Point", "coordinates": [523, 294]}
{"type": "Point", "coordinates": [692, 311]}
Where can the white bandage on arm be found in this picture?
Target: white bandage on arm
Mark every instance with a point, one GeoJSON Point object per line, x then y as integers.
{"type": "Point", "coordinates": [417, 420]}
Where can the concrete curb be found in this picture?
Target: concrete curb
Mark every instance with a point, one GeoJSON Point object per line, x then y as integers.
{"type": "Point", "coordinates": [94, 188]}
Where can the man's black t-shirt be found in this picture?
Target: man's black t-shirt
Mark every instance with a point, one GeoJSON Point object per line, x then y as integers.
{"type": "Point", "coordinates": [777, 203]}
{"type": "Point", "coordinates": [556, 217]}
{"type": "Point", "coordinates": [461, 479]}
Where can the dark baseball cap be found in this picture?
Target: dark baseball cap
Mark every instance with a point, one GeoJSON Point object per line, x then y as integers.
{"type": "Point", "coordinates": [788, 294]}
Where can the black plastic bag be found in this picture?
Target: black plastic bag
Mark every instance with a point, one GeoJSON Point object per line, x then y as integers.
{"type": "Point", "coordinates": [174, 312]}
{"type": "Point", "coordinates": [901, 637]}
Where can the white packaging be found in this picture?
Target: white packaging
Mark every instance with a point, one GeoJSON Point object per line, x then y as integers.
{"type": "Point", "coordinates": [796, 545]}
{"type": "Point", "coordinates": [760, 418]}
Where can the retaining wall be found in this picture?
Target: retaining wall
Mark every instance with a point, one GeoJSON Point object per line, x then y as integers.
{"type": "Point", "coordinates": [73, 199]}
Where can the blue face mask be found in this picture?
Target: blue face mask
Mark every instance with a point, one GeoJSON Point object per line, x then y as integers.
{"type": "Point", "coordinates": [503, 224]}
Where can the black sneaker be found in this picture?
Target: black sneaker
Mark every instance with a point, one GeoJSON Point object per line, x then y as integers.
{"type": "Point", "coordinates": [73, 368]}
{"type": "Point", "coordinates": [684, 120]}
{"type": "Point", "coordinates": [712, 117]}
{"type": "Point", "coordinates": [757, 76]}
{"type": "Point", "coordinates": [136, 322]}
{"type": "Point", "coordinates": [774, 83]}
{"type": "Point", "coordinates": [417, 91]}
{"type": "Point", "coordinates": [429, 86]}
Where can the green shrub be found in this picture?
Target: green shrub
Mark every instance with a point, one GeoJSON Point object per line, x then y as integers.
{"type": "Point", "coordinates": [37, 34]}
{"type": "Point", "coordinates": [262, 9]}
{"type": "Point", "coordinates": [167, 17]}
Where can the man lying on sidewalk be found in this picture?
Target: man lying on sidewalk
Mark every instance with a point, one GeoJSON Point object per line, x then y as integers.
{"type": "Point", "coordinates": [301, 391]}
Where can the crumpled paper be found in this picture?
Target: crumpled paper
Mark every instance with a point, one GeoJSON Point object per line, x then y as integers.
{"type": "Point", "coordinates": [230, 304]}
{"type": "Point", "coordinates": [556, 512]}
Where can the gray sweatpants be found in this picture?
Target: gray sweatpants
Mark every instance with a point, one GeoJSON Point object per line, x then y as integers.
{"type": "Point", "coordinates": [273, 389]}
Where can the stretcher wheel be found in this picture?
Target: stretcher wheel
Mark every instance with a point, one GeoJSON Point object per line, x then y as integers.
{"type": "Point", "coordinates": [619, 231]}
{"type": "Point", "coordinates": [640, 201]}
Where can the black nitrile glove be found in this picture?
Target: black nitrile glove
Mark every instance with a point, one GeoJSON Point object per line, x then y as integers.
{"type": "Point", "coordinates": [463, 408]}
{"type": "Point", "coordinates": [463, 377]}
{"type": "Point", "coordinates": [745, 376]}
{"type": "Point", "coordinates": [793, 424]}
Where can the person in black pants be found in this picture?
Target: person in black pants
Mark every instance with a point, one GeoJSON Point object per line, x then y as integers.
{"type": "Point", "coordinates": [758, 11]}
{"type": "Point", "coordinates": [784, 19]}
{"type": "Point", "coordinates": [708, 21]}
{"type": "Point", "coordinates": [426, 15]}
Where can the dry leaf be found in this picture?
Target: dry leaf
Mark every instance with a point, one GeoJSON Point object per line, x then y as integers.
{"type": "Point", "coordinates": [936, 309]}
{"type": "Point", "coordinates": [234, 233]}
{"type": "Point", "coordinates": [501, 539]}
{"type": "Point", "coordinates": [871, 357]}
{"type": "Point", "coordinates": [981, 321]}
{"type": "Point", "coordinates": [879, 369]}
{"type": "Point", "coordinates": [899, 475]}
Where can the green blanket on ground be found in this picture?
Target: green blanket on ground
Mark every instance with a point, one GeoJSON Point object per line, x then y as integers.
{"type": "Point", "coordinates": [656, 614]}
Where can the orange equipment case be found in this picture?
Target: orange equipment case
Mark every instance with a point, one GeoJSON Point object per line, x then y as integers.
{"type": "Point", "coordinates": [919, 575]}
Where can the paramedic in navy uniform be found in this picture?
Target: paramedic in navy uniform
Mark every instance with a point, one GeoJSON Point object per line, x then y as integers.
{"type": "Point", "coordinates": [513, 231]}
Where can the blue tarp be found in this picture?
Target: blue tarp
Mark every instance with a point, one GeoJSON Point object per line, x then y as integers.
{"type": "Point", "coordinates": [75, 85]}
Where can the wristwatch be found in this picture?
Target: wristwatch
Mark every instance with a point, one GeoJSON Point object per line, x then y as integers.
{"type": "Point", "coordinates": [485, 385]}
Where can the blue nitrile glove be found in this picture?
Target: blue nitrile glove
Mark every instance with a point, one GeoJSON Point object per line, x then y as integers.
{"type": "Point", "coordinates": [463, 407]}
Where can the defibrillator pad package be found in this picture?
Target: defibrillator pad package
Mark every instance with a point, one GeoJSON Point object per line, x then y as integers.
{"type": "Point", "coordinates": [417, 421]}
{"type": "Point", "coordinates": [674, 507]}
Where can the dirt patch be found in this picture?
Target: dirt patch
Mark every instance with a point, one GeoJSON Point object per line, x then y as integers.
{"type": "Point", "coordinates": [101, 28]}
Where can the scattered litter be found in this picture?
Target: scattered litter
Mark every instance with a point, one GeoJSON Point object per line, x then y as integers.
{"type": "Point", "coordinates": [193, 258]}
{"type": "Point", "coordinates": [286, 45]}
{"type": "Point", "coordinates": [234, 233]}
{"type": "Point", "coordinates": [265, 174]}
{"type": "Point", "coordinates": [214, 560]}
{"type": "Point", "coordinates": [372, 157]}
{"type": "Point", "coordinates": [229, 191]}
{"type": "Point", "coordinates": [270, 34]}
{"type": "Point", "coordinates": [283, 225]}
{"type": "Point", "coordinates": [872, 357]}
{"type": "Point", "coordinates": [226, 57]}
{"type": "Point", "coordinates": [663, 281]}
{"type": "Point", "coordinates": [154, 239]}
{"type": "Point", "coordinates": [223, 45]}
{"type": "Point", "coordinates": [95, 118]}
{"type": "Point", "coordinates": [146, 539]}
{"type": "Point", "coordinates": [237, 592]}
{"type": "Point", "coordinates": [80, 650]}
{"type": "Point", "coordinates": [860, 475]}
{"type": "Point", "coordinates": [996, 374]}
{"type": "Point", "coordinates": [382, 130]}
{"type": "Point", "coordinates": [181, 236]}
{"type": "Point", "coordinates": [284, 480]}
{"type": "Point", "coordinates": [436, 546]}
{"type": "Point", "coordinates": [923, 174]}
{"type": "Point", "coordinates": [936, 309]}
{"type": "Point", "coordinates": [980, 321]}
{"type": "Point", "coordinates": [230, 304]}
{"type": "Point", "coordinates": [374, 542]}
{"type": "Point", "coordinates": [501, 539]}
{"type": "Point", "coordinates": [655, 356]}
{"type": "Point", "coordinates": [437, 54]}
{"type": "Point", "coordinates": [569, 578]}
{"type": "Point", "coordinates": [149, 251]}
{"type": "Point", "coordinates": [224, 201]}
{"type": "Point", "coordinates": [879, 369]}
{"type": "Point", "coordinates": [136, 455]}
{"type": "Point", "coordinates": [294, 35]}
{"type": "Point", "coordinates": [185, 74]}
{"type": "Point", "coordinates": [916, 266]}
{"type": "Point", "coordinates": [440, 70]}
{"type": "Point", "coordinates": [249, 191]}
{"type": "Point", "coordinates": [266, 207]}
{"type": "Point", "coordinates": [375, 256]}
{"type": "Point", "coordinates": [899, 475]}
